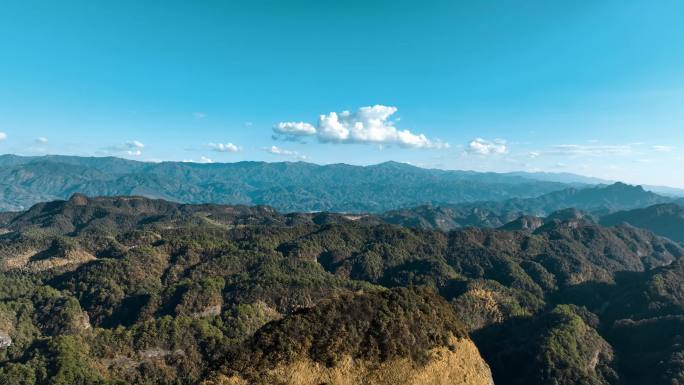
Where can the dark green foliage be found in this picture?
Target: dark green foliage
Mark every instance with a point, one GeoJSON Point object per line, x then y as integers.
{"type": "Point", "coordinates": [376, 326]}
{"type": "Point", "coordinates": [666, 220]}
{"type": "Point", "coordinates": [170, 293]}
{"type": "Point", "coordinates": [480, 303]}
{"type": "Point", "coordinates": [652, 350]}
{"type": "Point", "coordinates": [17, 374]}
{"type": "Point", "coordinates": [558, 347]}
{"type": "Point", "coordinates": [69, 362]}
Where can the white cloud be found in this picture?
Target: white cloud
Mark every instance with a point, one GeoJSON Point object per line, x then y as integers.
{"type": "Point", "coordinates": [275, 150]}
{"type": "Point", "coordinates": [294, 129]}
{"type": "Point", "coordinates": [130, 148]}
{"type": "Point", "coordinates": [331, 129]}
{"type": "Point", "coordinates": [220, 147]}
{"type": "Point", "coordinates": [203, 159]}
{"type": "Point", "coordinates": [199, 115]}
{"type": "Point", "coordinates": [3, 136]}
{"type": "Point", "coordinates": [134, 148]}
{"type": "Point", "coordinates": [370, 124]}
{"type": "Point", "coordinates": [663, 148]}
{"type": "Point", "coordinates": [485, 147]}
{"type": "Point", "coordinates": [593, 150]}
{"type": "Point", "coordinates": [41, 140]}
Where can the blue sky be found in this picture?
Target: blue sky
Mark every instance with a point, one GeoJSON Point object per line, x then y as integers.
{"type": "Point", "coordinates": [595, 88]}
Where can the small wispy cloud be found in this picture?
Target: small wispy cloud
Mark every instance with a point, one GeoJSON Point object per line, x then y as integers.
{"type": "Point", "coordinates": [199, 115]}
{"type": "Point", "coordinates": [663, 148]}
{"type": "Point", "coordinates": [371, 124]}
{"type": "Point", "coordinates": [275, 150]}
{"type": "Point", "coordinates": [3, 136]}
{"type": "Point", "coordinates": [294, 129]}
{"type": "Point", "coordinates": [135, 148]}
{"type": "Point", "coordinates": [202, 159]}
{"type": "Point", "coordinates": [224, 147]}
{"type": "Point", "coordinates": [130, 148]}
{"type": "Point", "coordinates": [41, 140]}
{"type": "Point", "coordinates": [590, 150]}
{"type": "Point", "coordinates": [485, 147]}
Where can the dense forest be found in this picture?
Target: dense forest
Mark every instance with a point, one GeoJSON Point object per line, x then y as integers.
{"type": "Point", "coordinates": [127, 290]}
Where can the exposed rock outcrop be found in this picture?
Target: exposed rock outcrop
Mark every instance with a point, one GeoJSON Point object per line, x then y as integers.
{"type": "Point", "coordinates": [5, 340]}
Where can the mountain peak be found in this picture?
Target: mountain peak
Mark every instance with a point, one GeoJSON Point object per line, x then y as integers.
{"type": "Point", "coordinates": [569, 214]}
{"type": "Point", "coordinates": [524, 223]}
{"type": "Point", "coordinates": [78, 199]}
{"type": "Point", "coordinates": [393, 164]}
{"type": "Point", "coordinates": [621, 186]}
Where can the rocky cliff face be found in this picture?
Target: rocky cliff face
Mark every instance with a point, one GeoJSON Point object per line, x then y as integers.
{"type": "Point", "coordinates": [458, 364]}
{"type": "Point", "coordinates": [402, 336]}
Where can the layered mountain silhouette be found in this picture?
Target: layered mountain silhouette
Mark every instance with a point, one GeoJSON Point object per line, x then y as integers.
{"type": "Point", "coordinates": [287, 186]}
{"type": "Point", "coordinates": [597, 201]}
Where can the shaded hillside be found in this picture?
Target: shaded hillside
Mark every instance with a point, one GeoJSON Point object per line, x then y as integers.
{"type": "Point", "coordinates": [560, 346]}
{"type": "Point", "coordinates": [286, 186]}
{"type": "Point", "coordinates": [666, 220]}
{"type": "Point", "coordinates": [642, 317]}
{"type": "Point", "coordinates": [128, 290]}
{"type": "Point", "coordinates": [596, 200]}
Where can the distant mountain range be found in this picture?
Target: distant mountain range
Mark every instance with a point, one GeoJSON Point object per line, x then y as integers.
{"type": "Point", "coordinates": [286, 186]}
{"type": "Point", "coordinates": [598, 201]}
{"type": "Point", "coordinates": [25, 181]}
{"type": "Point", "coordinates": [564, 177]}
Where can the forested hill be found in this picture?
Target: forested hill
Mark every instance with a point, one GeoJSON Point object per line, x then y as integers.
{"type": "Point", "coordinates": [287, 186]}
{"type": "Point", "coordinates": [664, 219]}
{"type": "Point", "coordinates": [128, 290]}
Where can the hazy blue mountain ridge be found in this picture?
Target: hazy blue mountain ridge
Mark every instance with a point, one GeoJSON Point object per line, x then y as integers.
{"type": "Point", "coordinates": [287, 186]}
{"type": "Point", "coordinates": [598, 201]}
